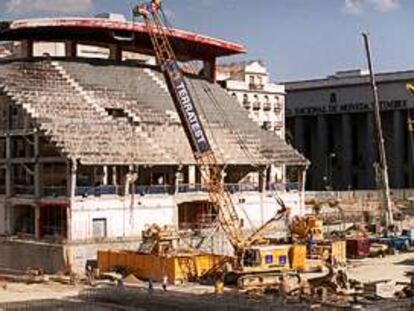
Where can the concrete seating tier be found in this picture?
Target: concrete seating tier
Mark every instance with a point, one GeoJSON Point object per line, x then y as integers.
{"type": "Point", "coordinates": [103, 112]}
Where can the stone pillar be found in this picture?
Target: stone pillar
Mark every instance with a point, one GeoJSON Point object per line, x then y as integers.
{"type": "Point", "coordinates": [370, 152]}
{"type": "Point", "coordinates": [319, 154]}
{"type": "Point", "coordinates": [396, 158]}
{"type": "Point", "coordinates": [299, 138]}
{"type": "Point", "coordinates": [346, 152]}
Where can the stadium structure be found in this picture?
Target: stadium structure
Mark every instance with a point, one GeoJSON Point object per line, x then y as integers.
{"type": "Point", "coordinates": [92, 150]}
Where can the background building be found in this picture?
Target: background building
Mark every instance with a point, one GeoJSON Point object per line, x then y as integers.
{"type": "Point", "coordinates": [330, 121]}
{"type": "Point", "coordinates": [263, 100]}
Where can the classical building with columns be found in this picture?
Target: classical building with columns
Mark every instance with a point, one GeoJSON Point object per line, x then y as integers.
{"type": "Point", "coordinates": [330, 121]}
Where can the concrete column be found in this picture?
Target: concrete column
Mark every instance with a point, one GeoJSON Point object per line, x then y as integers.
{"type": "Point", "coordinates": [299, 134]}
{"type": "Point", "coordinates": [210, 69]}
{"type": "Point", "coordinates": [72, 178]}
{"type": "Point", "coordinates": [273, 172]}
{"type": "Point", "coordinates": [396, 167]}
{"type": "Point", "coordinates": [105, 176]}
{"type": "Point", "coordinates": [262, 179]}
{"type": "Point", "coordinates": [9, 174]}
{"type": "Point", "coordinates": [346, 152]}
{"type": "Point", "coordinates": [37, 167]}
{"type": "Point", "coordinates": [114, 176]}
{"type": "Point", "coordinates": [71, 49]}
{"type": "Point", "coordinates": [370, 154]}
{"type": "Point", "coordinates": [27, 48]}
{"type": "Point", "coordinates": [191, 175]}
{"type": "Point", "coordinates": [37, 221]}
{"type": "Point", "coordinates": [115, 52]}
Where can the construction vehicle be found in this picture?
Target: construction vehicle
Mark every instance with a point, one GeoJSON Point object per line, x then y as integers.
{"type": "Point", "coordinates": [256, 263]}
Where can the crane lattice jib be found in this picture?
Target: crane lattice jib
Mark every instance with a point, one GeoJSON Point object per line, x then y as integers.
{"type": "Point", "coordinates": [190, 119]}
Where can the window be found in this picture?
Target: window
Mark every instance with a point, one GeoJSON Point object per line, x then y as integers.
{"type": "Point", "coordinates": [251, 79]}
{"type": "Point", "coordinates": [233, 94]}
{"type": "Point", "coordinates": [99, 229]}
{"type": "Point", "coordinates": [245, 98]}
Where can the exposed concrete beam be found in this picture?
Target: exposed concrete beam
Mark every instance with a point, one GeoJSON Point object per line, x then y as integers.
{"type": "Point", "coordinates": [33, 160]}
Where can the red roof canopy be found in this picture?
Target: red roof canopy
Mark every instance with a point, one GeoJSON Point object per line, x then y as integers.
{"type": "Point", "coordinates": [131, 37]}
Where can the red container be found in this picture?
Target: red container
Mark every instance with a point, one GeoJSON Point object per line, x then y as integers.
{"type": "Point", "coordinates": [357, 248]}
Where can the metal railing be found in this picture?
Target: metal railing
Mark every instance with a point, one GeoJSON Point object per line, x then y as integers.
{"type": "Point", "coordinates": [166, 189]}
{"type": "Point", "coordinates": [154, 189]}
{"type": "Point", "coordinates": [99, 190]}
{"type": "Point", "coordinates": [54, 192]}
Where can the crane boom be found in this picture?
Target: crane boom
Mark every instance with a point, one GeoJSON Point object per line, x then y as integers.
{"type": "Point", "coordinates": [191, 121]}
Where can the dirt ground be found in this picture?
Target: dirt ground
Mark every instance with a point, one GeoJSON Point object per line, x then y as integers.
{"type": "Point", "coordinates": [366, 270]}
{"type": "Point", "coordinates": [388, 268]}
{"type": "Point", "coordinates": [16, 292]}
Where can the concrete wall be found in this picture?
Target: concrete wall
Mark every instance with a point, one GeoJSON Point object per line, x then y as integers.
{"type": "Point", "coordinates": [20, 255]}
{"type": "Point", "coordinates": [364, 195]}
{"type": "Point", "coordinates": [123, 219]}
{"type": "Point", "coordinates": [126, 220]}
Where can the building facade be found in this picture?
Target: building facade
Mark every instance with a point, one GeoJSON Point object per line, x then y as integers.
{"type": "Point", "coordinates": [263, 100]}
{"type": "Point", "coordinates": [331, 122]}
{"type": "Point", "coordinates": [250, 84]}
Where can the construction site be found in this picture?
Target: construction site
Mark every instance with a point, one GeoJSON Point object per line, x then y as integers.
{"type": "Point", "coordinates": [131, 179]}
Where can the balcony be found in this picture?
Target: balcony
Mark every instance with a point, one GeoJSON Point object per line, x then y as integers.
{"type": "Point", "coordinates": [267, 107]}
{"type": "Point", "coordinates": [257, 106]}
{"type": "Point", "coordinates": [279, 125]}
{"type": "Point", "coordinates": [277, 108]}
{"type": "Point", "coordinates": [256, 86]}
{"type": "Point", "coordinates": [247, 105]}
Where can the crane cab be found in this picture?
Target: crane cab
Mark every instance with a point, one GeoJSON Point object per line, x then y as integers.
{"type": "Point", "coordinates": [267, 257]}
{"type": "Point", "coordinates": [262, 265]}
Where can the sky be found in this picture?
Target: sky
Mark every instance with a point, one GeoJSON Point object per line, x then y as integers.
{"type": "Point", "coordinates": [297, 39]}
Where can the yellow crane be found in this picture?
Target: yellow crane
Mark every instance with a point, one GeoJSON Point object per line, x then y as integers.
{"type": "Point", "coordinates": [255, 264]}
